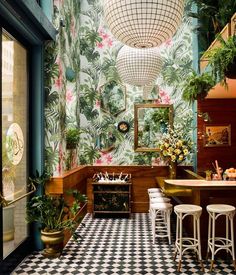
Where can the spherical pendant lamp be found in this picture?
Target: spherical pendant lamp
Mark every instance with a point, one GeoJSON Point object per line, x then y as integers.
{"type": "Point", "coordinates": [138, 67]}
{"type": "Point", "coordinates": [143, 23]}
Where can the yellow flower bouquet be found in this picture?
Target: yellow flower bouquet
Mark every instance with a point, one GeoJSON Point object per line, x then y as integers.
{"type": "Point", "coordinates": [175, 146]}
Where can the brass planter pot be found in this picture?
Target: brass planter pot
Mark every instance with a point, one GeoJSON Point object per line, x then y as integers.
{"type": "Point", "coordinates": [53, 243]}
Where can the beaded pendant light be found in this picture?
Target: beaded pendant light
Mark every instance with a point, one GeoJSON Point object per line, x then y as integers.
{"type": "Point", "coordinates": [143, 23]}
{"type": "Point", "coordinates": [138, 67]}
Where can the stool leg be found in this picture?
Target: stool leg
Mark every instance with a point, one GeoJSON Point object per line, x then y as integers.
{"type": "Point", "coordinates": [199, 243]}
{"type": "Point", "coordinates": [180, 241]}
{"type": "Point", "coordinates": [213, 242]}
{"type": "Point", "coordinates": [232, 240]}
{"type": "Point", "coordinates": [195, 235]}
{"type": "Point", "coordinates": [153, 219]}
{"type": "Point", "coordinates": [227, 231]}
{"type": "Point", "coordinates": [209, 235]}
{"type": "Point", "coordinates": [168, 225]}
{"type": "Point", "coordinates": [176, 236]}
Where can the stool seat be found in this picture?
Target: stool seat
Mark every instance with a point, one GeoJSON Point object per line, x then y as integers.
{"type": "Point", "coordinates": [159, 199]}
{"type": "Point", "coordinates": [151, 190]}
{"type": "Point", "coordinates": [220, 208]}
{"type": "Point", "coordinates": [156, 195]}
{"type": "Point", "coordinates": [187, 208]}
{"type": "Point", "coordinates": [161, 205]}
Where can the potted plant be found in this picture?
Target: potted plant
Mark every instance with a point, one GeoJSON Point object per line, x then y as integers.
{"type": "Point", "coordinates": [72, 138]}
{"type": "Point", "coordinates": [197, 86]}
{"type": "Point", "coordinates": [55, 216]}
{"type": "Point", "coordinates": [222, 60]}
{"type": "Point", "coordinates": [212, 16]}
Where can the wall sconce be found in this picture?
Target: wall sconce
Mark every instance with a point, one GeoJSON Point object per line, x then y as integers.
{"type": "Point", "coordinates": [138, 67]}
{"type": "Point", "coordinates": [204, 116]}
{"type": "Point", "coordinates": [143, 24]}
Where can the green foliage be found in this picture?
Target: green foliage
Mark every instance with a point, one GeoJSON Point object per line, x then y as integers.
{"type": "Point", "coordinates": [212, 16]}
{"type": "Point", "coordinates": [54, 213]}
{"type": "Point", "coordinates": [72, 137]}
{"type": "Point", "coordinates": [220, 58]}
{"type": "Point", "coordinates": [197, 86]}
{"type": "Point", "coordinates": [38, 179]}
{"type": "Point", "coordinates": [51, 68]}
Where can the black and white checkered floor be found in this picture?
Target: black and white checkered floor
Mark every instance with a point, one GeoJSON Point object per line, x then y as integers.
{"type": "Point", "coordinates": [115, 246]}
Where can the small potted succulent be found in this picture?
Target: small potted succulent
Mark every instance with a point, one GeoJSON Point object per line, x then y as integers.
{"type": "Point", "coordinates": [197, 86]}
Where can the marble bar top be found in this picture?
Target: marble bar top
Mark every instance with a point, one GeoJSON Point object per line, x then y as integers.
{"type": "Point", "coordinates": [202, 184]}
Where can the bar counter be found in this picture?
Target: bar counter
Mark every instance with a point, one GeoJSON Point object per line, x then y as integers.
{"type": "Point", "coordinates": [202, 184]}
{"type": "Point", "coordinates": [203, 193]}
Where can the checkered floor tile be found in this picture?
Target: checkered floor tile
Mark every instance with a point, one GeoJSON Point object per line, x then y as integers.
{"type": "Point", "coordinates": [116, 246]}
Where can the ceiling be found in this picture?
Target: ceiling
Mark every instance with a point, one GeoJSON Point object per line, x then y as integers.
{"type": "Point", "coordinates": [220, 92]}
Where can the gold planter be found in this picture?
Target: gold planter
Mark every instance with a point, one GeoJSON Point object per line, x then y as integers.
{"type": "Point", "coordinates": [53, 243]}
{"type": "Point", "coordinates": [172, 170]}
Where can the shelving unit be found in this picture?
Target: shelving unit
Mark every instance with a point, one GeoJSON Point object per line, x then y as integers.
{"type": "Point", "coordinates": [112, 197]}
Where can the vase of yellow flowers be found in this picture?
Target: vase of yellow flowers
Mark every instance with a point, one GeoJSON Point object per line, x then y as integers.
{"type": "Point", "coordinates": [175, 147]}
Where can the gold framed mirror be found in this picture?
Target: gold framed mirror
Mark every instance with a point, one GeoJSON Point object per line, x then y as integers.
{"type": "Point", "coordinates": [150, 123]}
{"type": "Point", "coordinates": [113, 98]}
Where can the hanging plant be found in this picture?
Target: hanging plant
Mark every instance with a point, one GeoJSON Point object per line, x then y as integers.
{"type": "Point", "coordinates": [222, 60]}
{"type": "Point", "coordinates": [196, 87]}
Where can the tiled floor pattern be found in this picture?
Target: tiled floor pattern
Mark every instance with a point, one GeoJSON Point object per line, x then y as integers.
{"type": "Point", "coordinates": [116, 247]}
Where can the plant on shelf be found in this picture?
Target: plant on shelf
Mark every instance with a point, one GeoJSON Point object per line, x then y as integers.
{"type": "Point", "coordinates": [222, 60]}
{"type": "Point", "coordinates": [212, 16]}
{"type": "Point", "coordinates": [72, 138]}
{"type": "Point", "coordinates": [197, 86]}
{"type": "Point", "coordinates": [55, 215]}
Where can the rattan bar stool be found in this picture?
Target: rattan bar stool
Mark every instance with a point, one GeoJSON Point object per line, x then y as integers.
{"type": "Point", "coordinates": [182, 244]}
{"type": "Point", "coordinates": [216, 244]}
{"type": "Point", "coordinates": [160, 219]}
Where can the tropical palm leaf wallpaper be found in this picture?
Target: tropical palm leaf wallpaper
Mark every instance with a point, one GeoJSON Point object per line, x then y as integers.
{"type": "Point", "coordinates": [84, 60]}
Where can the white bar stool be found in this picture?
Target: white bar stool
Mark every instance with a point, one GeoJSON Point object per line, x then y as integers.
{"type": "Point", "coordinates": [182, 244]}
{"type": "Point", "coordinates": [160, 199]}
{"type": "Point", "coordinates": [153, 190]}
{"type": "Point", "coordinates": [157, 198]}
{"type": "Point", "coordinates": [216, 244]}
{"type": "Point", "coordinates": [160, 219]}
{"type": "Point", "coordinates": [156, 195]}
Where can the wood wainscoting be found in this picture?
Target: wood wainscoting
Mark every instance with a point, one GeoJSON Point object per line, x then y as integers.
{"type": "Point", "coordinates": [80, 178]}
{"type": "Point", "coordinates": [143, 177]}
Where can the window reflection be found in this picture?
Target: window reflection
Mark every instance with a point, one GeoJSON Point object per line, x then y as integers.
{"type": "Point", "coordinates": [14, 132]}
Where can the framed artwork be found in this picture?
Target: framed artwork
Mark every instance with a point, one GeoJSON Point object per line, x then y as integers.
{"type": "Point", "coordinates": [217, 135]}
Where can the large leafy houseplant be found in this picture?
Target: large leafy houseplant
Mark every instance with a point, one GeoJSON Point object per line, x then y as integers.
{"type": "Point", "coordinates": [55, 215]}
{"type": "Point", "coordinates": [222, 58]}
{"type": "Point", "coordinates": [197, 86]}
{"type": "Point", "coordinates": [53, 212]}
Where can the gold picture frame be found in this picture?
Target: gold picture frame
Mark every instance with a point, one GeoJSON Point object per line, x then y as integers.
{"type": "Point", "coordinates": [217, 135]}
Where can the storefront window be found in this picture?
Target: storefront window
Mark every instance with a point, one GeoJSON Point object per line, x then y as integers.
{"type": "Point", "coordinates": [14, 141]}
